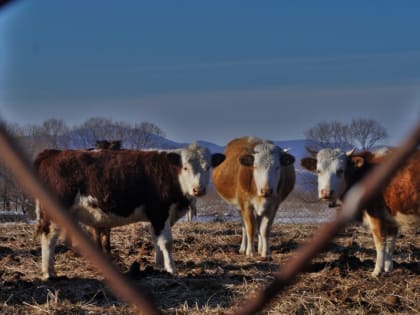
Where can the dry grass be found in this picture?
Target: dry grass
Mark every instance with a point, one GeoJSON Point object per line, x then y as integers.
{"type": "Point", "coordinates": [212, 277]}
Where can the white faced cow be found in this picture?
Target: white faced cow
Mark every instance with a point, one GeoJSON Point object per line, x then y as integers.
{"type": "Point", "coordinates": [255, 177]}
{"type": "Point", "coordinates": [108, 188]}
{"type": "Point", "coordinates": [399, 203]}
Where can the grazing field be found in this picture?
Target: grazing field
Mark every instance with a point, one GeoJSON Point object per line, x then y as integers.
{"type": "Point", "coordinates": [212, 277]}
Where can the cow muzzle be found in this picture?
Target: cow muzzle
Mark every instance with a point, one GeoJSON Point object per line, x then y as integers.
{"type": "Point", "coordinates": [199, 191]}
{"type": "Point", "coordinates": [326, 194]}
{"type": "Point", "coordinates": [265, 192]}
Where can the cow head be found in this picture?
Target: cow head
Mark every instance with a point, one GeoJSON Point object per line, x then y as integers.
{"type": "Point", "coordinates": [332, 165]}
{"type": "Point", "coordinates": [266, 160]}
{"type": "Point", "coordinates": [195, 171]}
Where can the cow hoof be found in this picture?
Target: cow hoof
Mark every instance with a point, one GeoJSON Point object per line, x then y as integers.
{"type": "Point", "coordinates": [389, 267]}
{"type": "Point", "coordinates": [376, 273]}
{"type": "Point", "coordinates": [48, 276]}
{"type": "Point", "coordinates": [266, 258]}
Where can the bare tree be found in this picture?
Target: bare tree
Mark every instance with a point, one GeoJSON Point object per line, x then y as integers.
{"type": "Point", "coordinates": [91, 130]}
{"type": "Point", "coordinates": [142, 135]}
{"type": "Point", "coordinates": [56, 132]}
{"type": "Point", "coordinates": [365, 133]}
{"type": "Point", "coordinates": [360, 133]}
{"type": "Point", "coordinates": [327, 135]}
{"type": "Point", "coordinates": [137, 136]}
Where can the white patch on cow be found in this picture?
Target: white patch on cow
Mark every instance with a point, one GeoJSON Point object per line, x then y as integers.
{"type": "Point", "coordinates": [86, 211]}
{"type": "Point", "coordinates": [331, 165]}
{"type": "Point", "coordinates": [195, 173]}
{"type": "Point", "coordinates": [266, 171]}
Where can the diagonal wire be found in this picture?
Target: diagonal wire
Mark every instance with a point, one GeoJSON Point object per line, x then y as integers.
{"type": "Point", "coordinates": [356, 199]}
{"type": "Point", "coordinates": [14, 159]}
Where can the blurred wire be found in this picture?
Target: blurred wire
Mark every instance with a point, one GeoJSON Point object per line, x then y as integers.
{"type": "Point", "coordinates": [14, 159]}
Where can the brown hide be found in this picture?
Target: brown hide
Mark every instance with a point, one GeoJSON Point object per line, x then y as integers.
{"type": "Point", "coordinates": [120, 180]}
{"type": "Point", "coordinates": [233, 180]}
{"type": "Point", "coordinates": [403, 192]}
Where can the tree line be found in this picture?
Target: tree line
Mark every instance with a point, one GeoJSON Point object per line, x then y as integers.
{"type": "Point", "coordinates": [57, 134]}
{"type": "Point", "coordinates": [360, 133]}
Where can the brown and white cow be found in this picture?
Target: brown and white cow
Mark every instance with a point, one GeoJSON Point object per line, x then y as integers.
{"type": "Point", "coordinates": [108, 188]}
{"type": "Point", "coordinates": [255, 177]}
{"type": "Point", "coordinates": [399, 203]}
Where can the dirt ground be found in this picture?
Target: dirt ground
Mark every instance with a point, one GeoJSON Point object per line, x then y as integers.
{"type": "Point", "coordinates": [212, 277]}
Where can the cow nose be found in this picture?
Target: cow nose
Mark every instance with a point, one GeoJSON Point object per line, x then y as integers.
{"type": "Point", "coordinates": [198, 191]}
{"type": "Point", "coordinates": [326, 193]}
{"type": "Point", "coordinates": [265, 192]}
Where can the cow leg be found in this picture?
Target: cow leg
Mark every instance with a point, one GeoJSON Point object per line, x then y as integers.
{"type": "Point", "coordinates": [249, 222]}
{"type": "Point", "coordinates": [48, 243]}
{"type": "Point", "coordinates": [392, 232]}
{"type": "Point", "coordinates": [189, 214]}
{"type": "Point", "coordinates": [158, 252]}
{"type": "Point", "coordinates": [379, 238]}
{"type": "Point", "coordinates": [264, 230]}
{"type": "Point", "coordinates": [163, 247]}
{"type": "Point", "coordinates": [258, 219]}
{"type": "Point", "coordinates": [105, 234]}
{"type": "Point", "coordinates": [242, 249]}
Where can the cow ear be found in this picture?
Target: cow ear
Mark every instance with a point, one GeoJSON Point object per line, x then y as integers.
{"type": "Point", "coordinates": [309, 163]}
{"type": "Point", "coordinates": [174, 158]}
{"type": "Point", "coordinates": [358, 161]}
{"type": "Point", "coordinates": [217, 158]}
{"type": "Point", "coordinates": [286, 159]}
{"type": "Point", "coordinates": [247, 160]}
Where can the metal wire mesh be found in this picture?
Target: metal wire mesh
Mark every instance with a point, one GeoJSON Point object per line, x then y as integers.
{"type": "Point", "coordinates": [357, 197]}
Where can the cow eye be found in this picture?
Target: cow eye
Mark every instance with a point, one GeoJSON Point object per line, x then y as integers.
{"type": "Point", "coordinates": [339, 172]}
{"type": "Point", "coordinates": [185, 168]}
{"type": "Point", "coordinates": [318, 171]}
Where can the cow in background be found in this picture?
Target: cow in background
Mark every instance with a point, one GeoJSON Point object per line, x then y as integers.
{"type": "Point", "coordinates": [399, 203]}
{"type": "Point", "coordinates": [256, 177]}
{"type": "Point", "coordinates": [107, 188]}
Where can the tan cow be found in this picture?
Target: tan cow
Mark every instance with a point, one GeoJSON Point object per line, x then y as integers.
{"type": "Point", "coordinates": [255, 177]}
{"type": "Point", "coordinates": [399, 203]}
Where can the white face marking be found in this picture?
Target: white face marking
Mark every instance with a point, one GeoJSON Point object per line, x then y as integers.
{"type": "Point", "coordinates": [266, 168]}
{"type": "Point", "coordinates": [195, 172]}
{"type": "Point", "coordinates": [330, 167]}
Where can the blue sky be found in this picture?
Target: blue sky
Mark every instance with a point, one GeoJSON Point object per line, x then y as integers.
{"type": "Point", "coordinates": [213, 70]}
